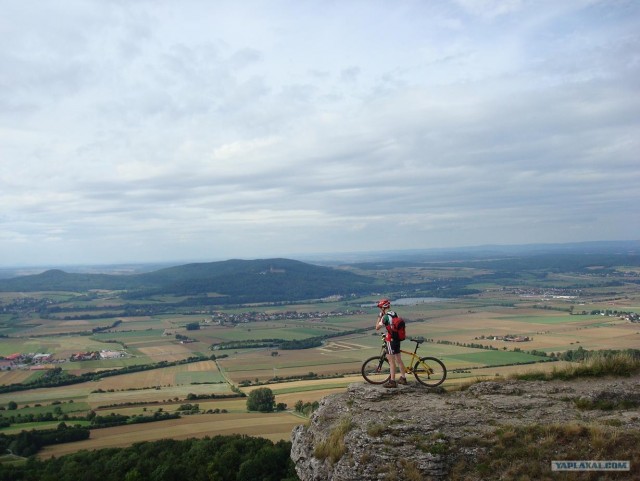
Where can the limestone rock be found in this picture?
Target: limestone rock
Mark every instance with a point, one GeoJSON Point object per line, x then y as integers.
{"type": "Point", "coordinates": [417, 433]}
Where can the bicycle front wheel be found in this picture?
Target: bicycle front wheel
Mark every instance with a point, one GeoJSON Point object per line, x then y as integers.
{"type": "Point", "coordinates": [375, 370]}
{"type": "Point", "coordinates": [430, 371]}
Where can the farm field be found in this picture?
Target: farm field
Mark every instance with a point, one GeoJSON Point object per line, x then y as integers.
{"type": "Point", "coordinates": [451, 327]}
{"type": "Point", "coordinates": [274, 426]}
{"type": "Point", "coordinates": [157, 385]}
{"type": "Point", "coordinates": [18, 376]}
{"type": "Point", "coordinates": [459, 331]}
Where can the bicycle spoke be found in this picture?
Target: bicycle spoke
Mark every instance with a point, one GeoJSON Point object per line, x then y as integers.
{"type": "Point", "coordinates": [430, 371]}
{"type": "Point", "coordinates": [375, 370]}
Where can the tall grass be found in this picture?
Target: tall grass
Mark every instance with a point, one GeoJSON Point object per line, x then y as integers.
{"type": "Point", "coordinates": [526, 452]}
{"type": "Point", "coordinates": [333, 447]}
{"type": "Point", "coordinates": [596, 365]}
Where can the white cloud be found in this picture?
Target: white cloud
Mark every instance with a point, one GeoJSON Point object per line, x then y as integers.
{"type": "Point", "coordinates": [160, 131]}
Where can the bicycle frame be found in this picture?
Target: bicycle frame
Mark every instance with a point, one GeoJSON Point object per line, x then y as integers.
{"type": "Point", "coordinates": [414, 355]}
{"type": "Point", "coordinates": [428, 371]}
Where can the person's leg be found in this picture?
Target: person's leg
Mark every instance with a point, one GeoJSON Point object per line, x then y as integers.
{"type": "Point", "coordinates": [392, 365]}
{"type": "Point", "coordinates": [403, 369]}
{"type": "Point", "coordinates": [391, 383]}
{"type": "Point", "coordinates": [400, 364]}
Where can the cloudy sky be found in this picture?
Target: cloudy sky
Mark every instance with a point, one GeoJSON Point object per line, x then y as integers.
{"type": "Point", "coordinates": [157, 130]}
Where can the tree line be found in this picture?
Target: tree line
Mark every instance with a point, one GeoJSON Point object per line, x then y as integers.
{"type": "Point", "coordinates": [581, 354]}
{"type": "Point", "coordinates": [220, 458]}
{"type": "Point", "coordinates": [28, 443]}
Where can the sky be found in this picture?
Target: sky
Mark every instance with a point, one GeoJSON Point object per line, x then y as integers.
{"type": "Point", "coordinates": [159, 131]}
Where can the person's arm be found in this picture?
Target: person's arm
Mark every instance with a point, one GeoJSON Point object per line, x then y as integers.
{"type": "Point", "coordinates": [379, 322]}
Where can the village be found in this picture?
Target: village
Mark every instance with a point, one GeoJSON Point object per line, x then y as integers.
{"type": "Point", "coordinates": [627, 316]}
{"type": "Point", "coordinates": [222, 318]}
{"type": "Point", "coordinates": [39, 361]}
{"type": "Point", "coordinates": [507, 338]}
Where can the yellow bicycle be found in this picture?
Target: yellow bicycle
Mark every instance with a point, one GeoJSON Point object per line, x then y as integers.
{"type": "Point", "coordinates": [428, 371]}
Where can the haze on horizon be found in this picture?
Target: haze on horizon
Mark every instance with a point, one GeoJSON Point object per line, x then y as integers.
{"type": "Point", "coordinates": [155, 131]}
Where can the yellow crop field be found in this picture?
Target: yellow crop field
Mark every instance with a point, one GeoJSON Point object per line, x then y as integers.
{"type": "Point", "coordinates": [308, 385]}
{"type": "Point", "coordinates": [47, 396]}
{"type": "Point", "coordinates": [138, 380]}
{"type": "Point", "coordinates": [202, 366]}
{"type": "Point", "coordinates": [14, 377]}
{"type": "Point", "coordinates": [151, 395]}
{"type": "Point", "coordinates": [152, 378]}
{"type": "Point", "coordinates": [274, 426]}
{"type": "Point", "coordinates": [290, 399]}
{"type": "Point", "coordinates": [166, 352]}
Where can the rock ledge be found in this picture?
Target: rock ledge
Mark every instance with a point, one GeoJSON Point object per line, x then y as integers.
{"type": "Point", "coordinates": [371, 433]}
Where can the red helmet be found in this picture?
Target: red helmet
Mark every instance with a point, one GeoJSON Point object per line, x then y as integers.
{"type": "Point", "coordinates": [384, 304]}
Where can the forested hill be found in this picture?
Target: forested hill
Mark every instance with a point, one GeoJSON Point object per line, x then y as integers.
{"type": "Point", "coordinates": [240, 280]}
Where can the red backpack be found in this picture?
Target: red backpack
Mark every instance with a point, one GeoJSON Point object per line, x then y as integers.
{"type": "Point", "coordinates": [398, 331]}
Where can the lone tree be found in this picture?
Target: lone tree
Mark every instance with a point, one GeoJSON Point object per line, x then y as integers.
{"type": "Point", "coordinates": [261, 399]}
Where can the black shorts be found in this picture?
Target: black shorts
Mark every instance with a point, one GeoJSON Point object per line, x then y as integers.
{"type": "Point", "coordinates": [393, 346]}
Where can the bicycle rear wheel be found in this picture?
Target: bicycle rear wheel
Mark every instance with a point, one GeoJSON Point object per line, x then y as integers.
{"type": "Point", "coordinates": [375, 370]}
{"type": "Point", "coordinates": [430, 371]}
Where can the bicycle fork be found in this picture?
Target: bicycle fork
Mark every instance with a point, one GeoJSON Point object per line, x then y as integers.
{"type": "Point", "coordinates": [380, 364]}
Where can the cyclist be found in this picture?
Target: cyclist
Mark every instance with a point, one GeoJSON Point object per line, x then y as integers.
{"type": "Point", "coordinates": [393, 345]}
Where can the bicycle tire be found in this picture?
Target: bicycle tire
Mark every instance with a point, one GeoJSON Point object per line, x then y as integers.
{"type": "Point", "coordinates": [426, 378]}
{"type": "Point", "coordinates": [375, 370]}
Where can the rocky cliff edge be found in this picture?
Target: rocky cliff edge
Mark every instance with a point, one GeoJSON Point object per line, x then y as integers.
{"type": "Point", "coordinates": [417, 433]}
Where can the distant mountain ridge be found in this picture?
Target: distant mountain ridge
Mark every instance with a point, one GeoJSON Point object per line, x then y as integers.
{"type": "Point", "coordinates": [242, 280]}
{"type": "Point", "coordinates": [479, 252]}
{"type": "Point", "coordinates": [279, 279]}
